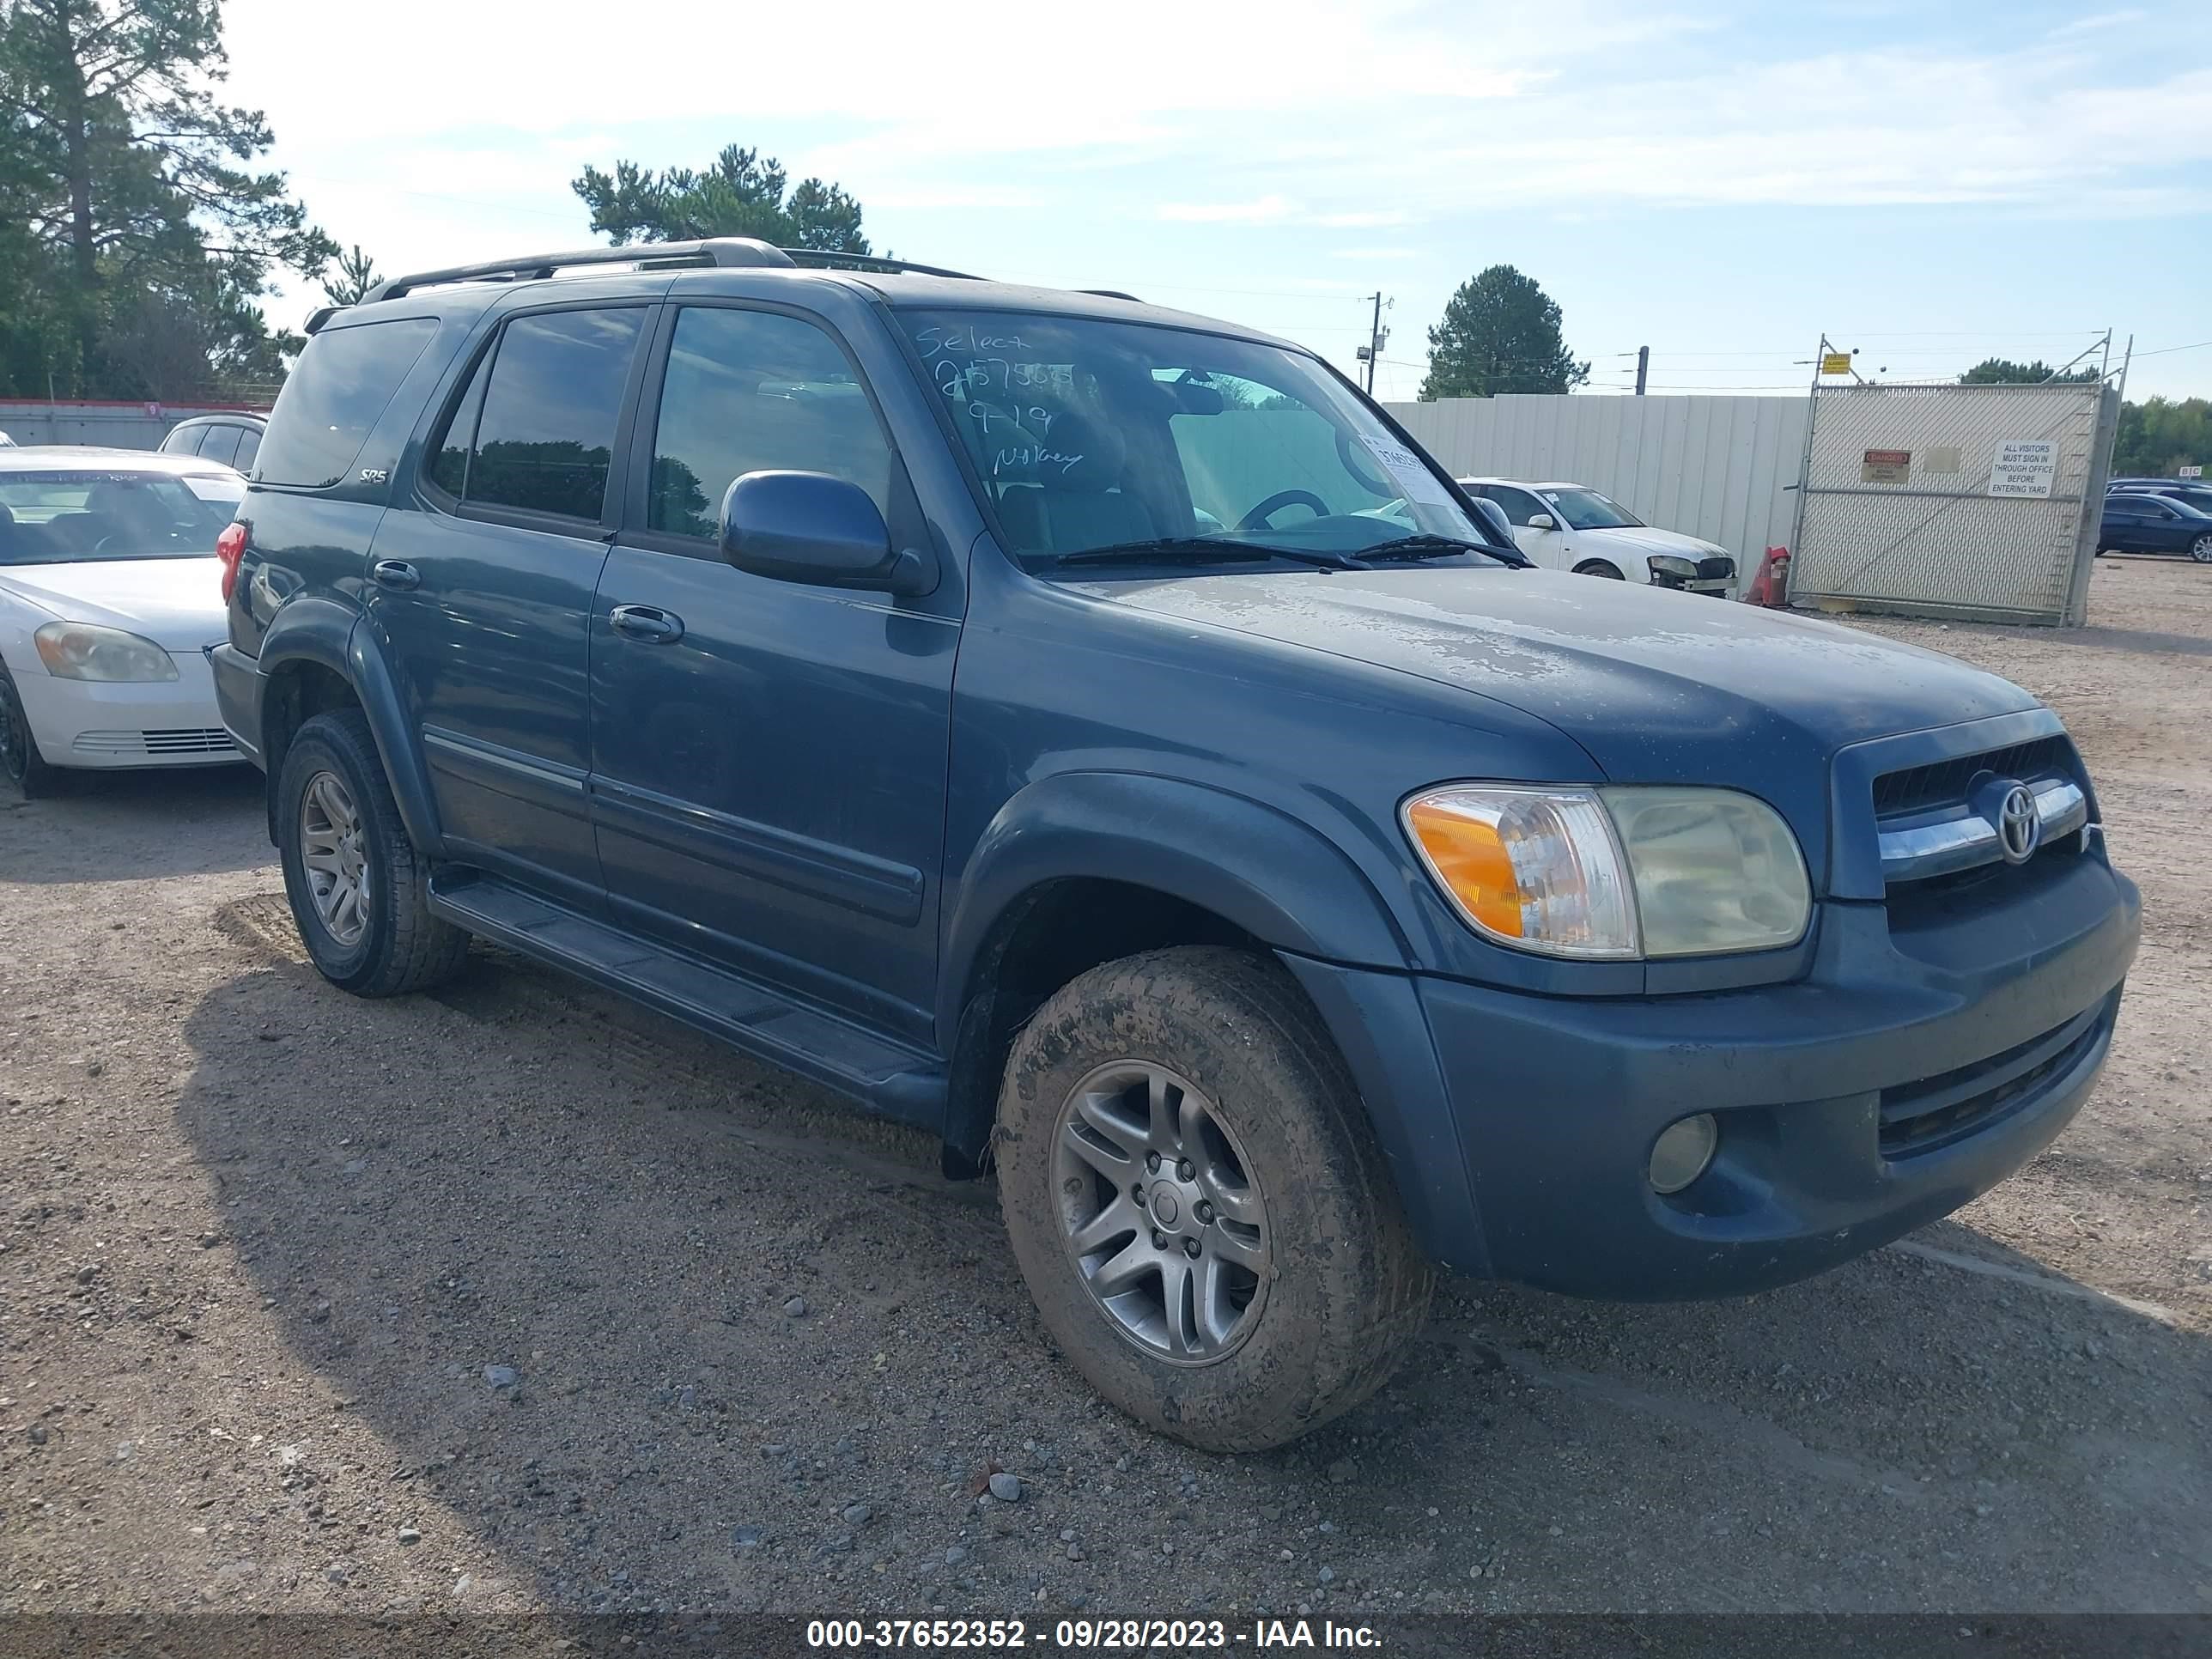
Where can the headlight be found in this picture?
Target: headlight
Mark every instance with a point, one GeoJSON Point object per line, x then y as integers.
{"type": "Point", "coordinates": [1614, 874]}
{"type": "Point", "coordinates": [1713, 870]}
{"type": "Point", "coordinates": [1536, 868]}
{"type": "Point", "coordinates": [1669, 567]}
{"type": "Point", "coordinates": [82, 651]}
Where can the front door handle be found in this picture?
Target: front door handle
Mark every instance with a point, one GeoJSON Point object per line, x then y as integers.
{"type": "Point", "coordinates": [647, 622]}
{"type": "Point", "coordinates": [396, 573]}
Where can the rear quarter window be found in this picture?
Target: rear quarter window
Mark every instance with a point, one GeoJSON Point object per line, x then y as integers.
{"type": "Point", "coordinates": [345, 382]}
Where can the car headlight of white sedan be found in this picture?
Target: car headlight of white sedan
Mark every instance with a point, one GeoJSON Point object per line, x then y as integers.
{"type": "Point", "coordinates": [1616, 872]}
{"type": "Point", "coordinates": [86, 651]}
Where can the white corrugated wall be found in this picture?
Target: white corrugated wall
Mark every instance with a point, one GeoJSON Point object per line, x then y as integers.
{"type": "Point", "coordinates": [1722, 468]}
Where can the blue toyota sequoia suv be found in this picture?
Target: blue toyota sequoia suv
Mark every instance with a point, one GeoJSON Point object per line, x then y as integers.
{"type": "Point", "coordinates": [1100, 737]}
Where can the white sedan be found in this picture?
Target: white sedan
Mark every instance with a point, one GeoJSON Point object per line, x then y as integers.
{"type": "Point", "coordinates": [110, 594]}
{"type": "Point", "coordinates": [1569, 526]}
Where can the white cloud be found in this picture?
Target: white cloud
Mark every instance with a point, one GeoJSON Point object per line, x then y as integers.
{"type": "Point", "coordinates": [1268, 210]}
{"type": "Point", "coordinates": [455, 126]}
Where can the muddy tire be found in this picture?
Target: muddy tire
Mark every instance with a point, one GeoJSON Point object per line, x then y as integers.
{"type": "Point", "coordinates": [1194, 1196]}
{"type": "Point", "coordinates": [358, 888]}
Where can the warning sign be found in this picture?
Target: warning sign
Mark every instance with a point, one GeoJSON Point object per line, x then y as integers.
{"type": "Point", "coordinates": [1886, 466]}
{"type": "Point", "coordinates": [2024, 467]}
{"type": "Point", "coordinates": [1835, 362]}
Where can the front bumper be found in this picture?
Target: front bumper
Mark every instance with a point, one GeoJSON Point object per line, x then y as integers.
{"type": "Point", "coordinates": [1550, 1106]}
{"type": "Point", "coordinates": [109, 724]}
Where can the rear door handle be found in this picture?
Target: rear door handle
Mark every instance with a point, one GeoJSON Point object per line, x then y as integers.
{"type": "Point", "coordinates": [647, 622]}
{"type": "Point", "coordinates": [396, 573]}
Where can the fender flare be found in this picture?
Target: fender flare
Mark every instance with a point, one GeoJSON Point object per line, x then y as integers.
{"type": "Point", "coordinates": [1249, 863]}
{"type": "Point", "coordinates": [322, 631]}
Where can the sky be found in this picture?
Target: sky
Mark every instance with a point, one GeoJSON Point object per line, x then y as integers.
{"type": "Point", "coordinates": [1928, 185]}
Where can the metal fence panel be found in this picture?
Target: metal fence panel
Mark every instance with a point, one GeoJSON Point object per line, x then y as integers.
{"type": "Point", "coordinates": [1966, 500]}
{"type": "Point", "coordinates": [1724, 469]}
{"type": "Point", "coordinates": [114, 425]}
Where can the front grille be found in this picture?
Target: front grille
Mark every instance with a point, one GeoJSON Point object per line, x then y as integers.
{"type": "Point", "coordinates": [1934, 1112]}
{"type": "Point", "coordinates": [1921, 788]}
{"type": "Point", "coordinates": [176, 740]}
{"type": "Point", "coordinates": [1715, 569]}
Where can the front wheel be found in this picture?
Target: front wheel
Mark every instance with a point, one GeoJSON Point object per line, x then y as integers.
{"type": "Point", "coordinates": [360, 891]}
{"type": "Point", "coordinates": [1600, 568]}
{"type": "Point", "coordinates": [19, 750]}
{"type": "Point", "coordinates": [1194, 1197]}
{"type": "Point", "coordinates": [2201, 548]}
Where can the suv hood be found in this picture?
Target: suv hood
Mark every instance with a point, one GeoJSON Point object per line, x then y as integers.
{"type": "Point", "coordinates": [1657, 687]}
{"type": "Point", "coordinates": [175, 602]}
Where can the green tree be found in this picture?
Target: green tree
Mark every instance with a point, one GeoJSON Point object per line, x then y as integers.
{"type": "Point", "coordinates": [357, 274]}
{"type": "Point", "coordinates": [742, 194]}
{"type": "Point", "coordinates": [124, 181]}
{"type": "Point", "coordinates": [2002, 371]}
{"type": "Point", "coordinates": [2159, 436]}
{"type": "Point", "coordinates": [1500, 333]}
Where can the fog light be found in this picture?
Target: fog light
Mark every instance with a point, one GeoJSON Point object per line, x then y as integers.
{"type": "Point", "coordinates": [1682, 1151]}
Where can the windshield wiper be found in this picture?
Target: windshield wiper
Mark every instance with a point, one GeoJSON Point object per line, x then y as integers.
{"type": "Point", "coordinates": [1426, 546]}
{"type": "Point", "coordinates": [1212, 550]}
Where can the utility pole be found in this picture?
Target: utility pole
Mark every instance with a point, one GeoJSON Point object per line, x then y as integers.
{"type": "Point", "coordinates": [1643, 367]}
{"type": "Point", "coordinates": [1376, 334]}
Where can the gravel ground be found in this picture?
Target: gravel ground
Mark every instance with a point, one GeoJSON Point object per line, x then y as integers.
{"type": "Point", "coordinates": [519, 1298]}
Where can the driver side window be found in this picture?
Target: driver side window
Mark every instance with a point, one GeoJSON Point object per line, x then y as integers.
{"type": "Point", "coordinates": [1519, 505]}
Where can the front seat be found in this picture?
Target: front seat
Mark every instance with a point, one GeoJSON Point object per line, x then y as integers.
{"type": "Point", "coordinates": [1070, 490]}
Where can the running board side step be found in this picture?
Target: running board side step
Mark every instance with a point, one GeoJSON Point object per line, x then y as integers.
{"type": "Point", "coordinates": [889, 1077]}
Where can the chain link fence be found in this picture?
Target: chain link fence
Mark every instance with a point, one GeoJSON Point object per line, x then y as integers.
{"type": "Point", "coordinates": [1981, 502]}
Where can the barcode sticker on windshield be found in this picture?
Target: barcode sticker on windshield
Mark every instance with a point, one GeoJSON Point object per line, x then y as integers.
{"type": "Point", "coordinates": [1419, 483]}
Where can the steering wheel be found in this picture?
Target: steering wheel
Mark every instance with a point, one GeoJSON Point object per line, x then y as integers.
{"type": "Point", "coordinates": [1353, 464]}
{"type": "Point", "coordinates": [1258, 517]}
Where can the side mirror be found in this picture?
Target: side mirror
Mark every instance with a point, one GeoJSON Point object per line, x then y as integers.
{"type": "Point", "coordinates": [1542, 521]}
{"type": "Point", "coordinates": [812, 527]}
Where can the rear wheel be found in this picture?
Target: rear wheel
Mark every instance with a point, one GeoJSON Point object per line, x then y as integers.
{"type": "Point", "coordinates": [1194, 1197]}
{"type": "Point", "coordinates": [2201, 548]}
{"type": "Point", "coordinates": [360, 891]}
{"type": "Point", "coordinates": [19, 750]}
{"type": "Point", "coordinates": [1600, 568]}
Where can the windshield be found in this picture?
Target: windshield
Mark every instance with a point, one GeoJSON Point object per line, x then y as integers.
{"type": "Point", "coordinates": [1093, 434]}
{"type": "Point", "coordinates": [1585, 509]}
{"type": "Point", "coordinates": [71, 515]}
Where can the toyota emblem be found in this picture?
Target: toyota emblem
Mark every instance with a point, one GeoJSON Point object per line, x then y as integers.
{"type": "Point", "coordinates": [2019, 826]}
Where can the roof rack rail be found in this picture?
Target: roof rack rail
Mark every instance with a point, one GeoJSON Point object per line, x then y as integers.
{"type": "Point", "coordinates": [1110, 293]}
{"type": "Point", "coordinates": [830, 257]}
{"type": "Point", "coordinates": [713, 251]}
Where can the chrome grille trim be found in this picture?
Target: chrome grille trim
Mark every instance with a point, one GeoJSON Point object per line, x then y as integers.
{"type": "Point", "coordinates": [1960, 838]}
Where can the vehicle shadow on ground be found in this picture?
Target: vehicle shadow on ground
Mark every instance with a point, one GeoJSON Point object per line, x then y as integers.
{"type": "Point", "coordinates": [131, 826]}
{"type": "Point", "coordinates": [523, 1174]}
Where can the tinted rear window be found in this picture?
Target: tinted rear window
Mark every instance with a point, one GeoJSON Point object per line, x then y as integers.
{"type": "Point", "coordinates": [221, 444]}
{"type": "Point", "coordinates": [344, 379]}
{"type": "Point", "coordinates": [545, 439]}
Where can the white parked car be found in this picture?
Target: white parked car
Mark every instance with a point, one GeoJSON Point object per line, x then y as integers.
{"type": "Point", "coordinates": [109, 595]}
{"type": "Point", "coordinates": [1569, 527]}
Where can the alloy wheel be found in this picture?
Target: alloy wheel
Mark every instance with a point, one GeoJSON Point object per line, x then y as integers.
{"type": "Point", "coordinates": [333, 858]}
{"type": "Point", "coordinates": [1160, 1212]}
{"type": "Point", "coordinates": [2201, 549]}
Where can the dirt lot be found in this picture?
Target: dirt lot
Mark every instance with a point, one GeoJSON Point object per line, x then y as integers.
{"type": "Point", "coordinates": [262, 1243]}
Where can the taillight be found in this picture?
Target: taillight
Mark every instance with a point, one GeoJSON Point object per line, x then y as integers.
{"type": "Point", "coordinates": [230, 547]}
